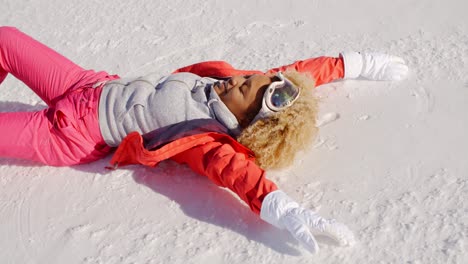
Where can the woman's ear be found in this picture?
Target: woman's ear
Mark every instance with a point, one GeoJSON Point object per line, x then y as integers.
{"type": "Point", "coordinates": [248, 117]}
{"type": "Point", "coordinates": [245, 122]}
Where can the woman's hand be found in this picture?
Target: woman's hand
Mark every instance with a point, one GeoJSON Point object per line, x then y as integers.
{"type": "Point", "coordinates": [374, 66]}
{"type": "Point", "coordinates": [281, 211]}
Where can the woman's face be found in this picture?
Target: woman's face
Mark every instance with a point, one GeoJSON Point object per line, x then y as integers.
{"type": "Point", "coordinates": [243, 95]}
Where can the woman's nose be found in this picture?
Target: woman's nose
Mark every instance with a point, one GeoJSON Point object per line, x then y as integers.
{"type": "Point", "coordinates": [232, 81]}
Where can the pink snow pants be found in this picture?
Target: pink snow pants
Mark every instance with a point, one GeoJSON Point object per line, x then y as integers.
{"type": "Point", "coordinates": [65, 133]}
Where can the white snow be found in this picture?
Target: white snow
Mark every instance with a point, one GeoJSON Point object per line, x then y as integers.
{"type": "Point", "coordinates": [390, 160]}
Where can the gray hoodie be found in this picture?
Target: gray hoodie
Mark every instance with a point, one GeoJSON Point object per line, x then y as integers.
{"type": "Point", "coordinates": [148, 103]}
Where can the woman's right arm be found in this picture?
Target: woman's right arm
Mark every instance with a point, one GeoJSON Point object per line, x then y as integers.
{"type": "Point", "coordinates": [322, 69]}
{"type": "Point", "coordinates": [351, 65]}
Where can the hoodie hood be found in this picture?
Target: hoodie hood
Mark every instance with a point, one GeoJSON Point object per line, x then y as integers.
{"type": "Point", "coordinates": [222, 112]}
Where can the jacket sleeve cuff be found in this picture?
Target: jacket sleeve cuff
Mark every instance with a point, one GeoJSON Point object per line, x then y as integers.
{"type": "Point", "coordinates": [352, 64]}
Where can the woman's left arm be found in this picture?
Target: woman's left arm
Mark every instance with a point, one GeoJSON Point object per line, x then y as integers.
{"type": "Point", "coordinates": [237, 171]}
{"type": "Point", "coordinates": [226, 167]}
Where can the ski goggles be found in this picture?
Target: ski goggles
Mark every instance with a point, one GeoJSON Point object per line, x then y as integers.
{"type": "Point", "coordinates": [278, 96]}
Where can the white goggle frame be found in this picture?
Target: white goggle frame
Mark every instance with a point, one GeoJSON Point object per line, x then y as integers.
{"type": "Point", "coordinates": [278, 96]}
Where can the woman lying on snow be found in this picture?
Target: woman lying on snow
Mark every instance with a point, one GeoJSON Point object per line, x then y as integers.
{"type": "Point", "coordinates": [224, 123]}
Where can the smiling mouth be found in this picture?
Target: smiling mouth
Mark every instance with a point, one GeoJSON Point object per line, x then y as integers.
{"type": "Point", "coordinates": [221, 85]}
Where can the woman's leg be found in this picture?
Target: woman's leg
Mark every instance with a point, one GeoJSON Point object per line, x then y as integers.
{"type": "Point", "coordinates": [46, 72]}
{"type": "Point", "coordinates": [67, 135]}
{"type": "Point", "coordinates": [26, 135]}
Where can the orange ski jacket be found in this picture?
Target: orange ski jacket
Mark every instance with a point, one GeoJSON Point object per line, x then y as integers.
{"type": "Point", "coordinates": [206, 147]}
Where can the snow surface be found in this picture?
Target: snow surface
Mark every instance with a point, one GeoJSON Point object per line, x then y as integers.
{"type": "Point", "coordinates": [390, 160]}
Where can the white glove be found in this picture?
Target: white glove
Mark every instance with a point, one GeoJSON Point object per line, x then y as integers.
{"type": "Point", "coordinates": [281, 211]}
{"type": "Point", "coordinates": [374, 66]}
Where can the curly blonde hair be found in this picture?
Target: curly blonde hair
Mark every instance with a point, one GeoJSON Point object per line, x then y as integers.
{"type": "Point", "coordinates": [276, 139]}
